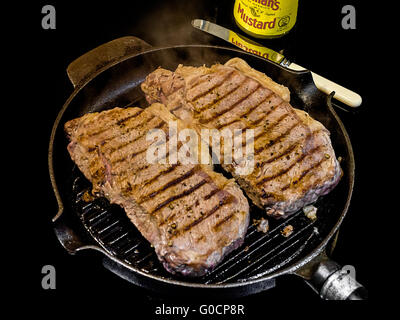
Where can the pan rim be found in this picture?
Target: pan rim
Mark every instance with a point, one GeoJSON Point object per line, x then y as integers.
{"type": "Point", "coordinates": [285, 270]}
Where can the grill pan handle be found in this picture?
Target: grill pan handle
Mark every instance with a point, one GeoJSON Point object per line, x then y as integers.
{"type": "Point", "coordinates": [104, 56]}
{"type": "Point", "coordinates": [70, 239]}
{"type": "Point", "coordinates": [332, 281]}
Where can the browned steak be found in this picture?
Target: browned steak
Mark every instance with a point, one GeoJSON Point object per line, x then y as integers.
{"type": "Point", "coordinates": [293, 156]}
{"type": "Point", "coordinates": [191, 215]}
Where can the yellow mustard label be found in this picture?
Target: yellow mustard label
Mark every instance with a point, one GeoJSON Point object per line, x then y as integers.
{"type": "Point", "coordinates": [266, 17]}
{"type": "Point", "coordinates": [254, 48]}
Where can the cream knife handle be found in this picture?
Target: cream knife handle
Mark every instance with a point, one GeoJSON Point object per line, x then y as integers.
{"type": "Point", "coordinates": [342, 94]}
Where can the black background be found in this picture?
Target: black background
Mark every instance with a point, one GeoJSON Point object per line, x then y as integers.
{"type": "Point", "coordinates": [317, 42]}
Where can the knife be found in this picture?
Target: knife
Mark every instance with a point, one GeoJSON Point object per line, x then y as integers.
{"type": "Point", "coordinates": [342, 94]}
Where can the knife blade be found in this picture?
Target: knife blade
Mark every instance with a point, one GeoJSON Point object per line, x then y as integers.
{"type": "Point", "coordinates": [341, 93]}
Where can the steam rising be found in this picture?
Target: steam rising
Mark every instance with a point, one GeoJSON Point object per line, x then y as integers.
{"type": "Point", "coordinates": [169, 23]}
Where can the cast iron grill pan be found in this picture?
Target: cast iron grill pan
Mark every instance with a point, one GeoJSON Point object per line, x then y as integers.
{"type": "Point", "coordinates": [262, 256]}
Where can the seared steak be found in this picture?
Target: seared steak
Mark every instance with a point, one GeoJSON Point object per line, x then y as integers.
{"type": "Point", "coordinates": [192, 215]}
{"type": "Point", "coordinates": [294, 162]}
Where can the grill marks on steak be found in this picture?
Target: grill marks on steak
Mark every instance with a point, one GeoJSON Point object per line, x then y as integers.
{"type": "Point", "coordinates": [190, 214]}
{"type": "Point", "coordinates": [294, 160]}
